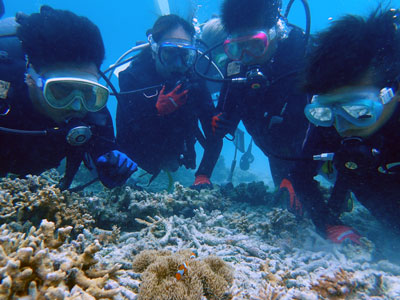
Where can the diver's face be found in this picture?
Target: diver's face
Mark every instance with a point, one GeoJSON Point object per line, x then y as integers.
{"type": "Point", "coordinates": [347, 129]}
{"type": "Point", "coordinates": [175, 69]}
{"type": "Point", "coordinates": [251, 46]}
{"type": "Point", "coordinates": [74, 109]}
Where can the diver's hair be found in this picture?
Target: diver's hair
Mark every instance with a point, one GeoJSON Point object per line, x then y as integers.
{"type": "Point", "coordinates": [352, 48]}
{"type": "Point", "coordinates": [249, 14]}
{"type": "Point", "coordinates": [166, 23]}
{"type": "Point", "coordinates": [213, 32]}
{"type": "Point", "coordinates": [58, 36]}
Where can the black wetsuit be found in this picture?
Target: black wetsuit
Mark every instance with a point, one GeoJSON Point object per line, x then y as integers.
{"type": "Point", "coordinates": [27, 154]}
{"type": "Point", "coordinates": [272, 115]}
{"type": "Point", "coordinates": [156, 142]}
{"type": "Point", "coordinates": [369, 167]}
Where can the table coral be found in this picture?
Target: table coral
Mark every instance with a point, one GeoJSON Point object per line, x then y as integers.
{"type": "Point", "coordinates": [39, 265]}
{"type": "Point", "coordinates": [210, 277]}
{"type": "Point", "coordinates": [34, 199]}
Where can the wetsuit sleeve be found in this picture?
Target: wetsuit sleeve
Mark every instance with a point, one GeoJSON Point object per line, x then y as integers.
{"type": "Point", "coordinates": [212, 143]}
{"type": "Point", "coordinates": [306, 188]}
{"type": "Point", "coordinates": [229, 106]}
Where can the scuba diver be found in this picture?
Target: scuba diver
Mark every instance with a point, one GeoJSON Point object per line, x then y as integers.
{"type": "Point", "coordinates": [51, 103]}
{"type": "Point", "coordinates": [355, 80]}
{"type": "Point", "coordinates": [265, 54]}
{"type": "Point", "coordinates": [162, 101]}
{"type": "Point", "coordinates": [213, 33]}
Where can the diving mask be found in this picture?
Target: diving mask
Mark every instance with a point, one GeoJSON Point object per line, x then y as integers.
{"type": "Point", "coordinates": [360, 108]}
{"type": "Point", "coordinates": [175, 51]}
{"type": "Point", "coordinates": [254, 45]}
{"type": "Point", "coordinates": [61, 92]}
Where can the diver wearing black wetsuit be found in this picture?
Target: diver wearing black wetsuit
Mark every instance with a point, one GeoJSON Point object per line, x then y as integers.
{"type": "Point", "coordinates": [273, 113]}
{"type": "Point", "coordinates": [157, 142]}
{"type": "Point", "coordinates": [355, 106]}
{"type": "Point", "coordinates": [369, 167]}
{"type": "Point", "coordinates": [32, 141]}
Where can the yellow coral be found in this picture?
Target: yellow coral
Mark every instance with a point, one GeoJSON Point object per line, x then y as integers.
{"type": "Point", "coordinates": [35, 266]}
{"type": "Point", "coordinates": [336, 287]}
{"type": "Point", "coordinates": [35, 198]}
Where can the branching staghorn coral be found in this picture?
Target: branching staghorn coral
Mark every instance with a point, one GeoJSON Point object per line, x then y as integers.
{"type": "Point", "coordinates": [38, 265]}
{"type": "Point", "coordinates": [120, 206]}
{"type": "Point", "coordinates": [336, 287]}
{"type": "Point", "coordinates": [35, 199]}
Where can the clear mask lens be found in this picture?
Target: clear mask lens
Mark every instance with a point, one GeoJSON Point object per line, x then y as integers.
{"type": "Point", "coordinates": [322, 114]}
{"type": "Point", "coordinates": [358, 112]}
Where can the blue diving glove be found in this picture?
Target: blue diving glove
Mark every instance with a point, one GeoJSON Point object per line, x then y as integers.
{"type": "Point", "coordinates": [114, 168]}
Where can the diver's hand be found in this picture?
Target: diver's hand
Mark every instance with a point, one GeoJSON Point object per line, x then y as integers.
{"type": "Point", "coordinates": [340, 233]}
{"type": "Point", "coordinates": [221, 125]}
{"type": "Point", "coordinates": [168, 103]}
{"type": "Point", "coordinates": [201, 182]}
{"type": "Point", "coordinates": [114, 168]}
{"type": "Point", "coordinates": [287, 192]}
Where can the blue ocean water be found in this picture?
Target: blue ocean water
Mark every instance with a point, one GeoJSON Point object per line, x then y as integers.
{"type": "Point", "coordinates": [123, 23]}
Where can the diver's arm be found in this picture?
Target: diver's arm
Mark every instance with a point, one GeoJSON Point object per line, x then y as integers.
{"type": "Point", "coordinates": [213, 142]}
{"type": "Point", "coordinates": [306, 188]}
{"type": "Point", "coordinates": [337, 201]}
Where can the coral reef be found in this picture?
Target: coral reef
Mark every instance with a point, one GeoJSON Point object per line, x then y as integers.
{"type": "Point", "coordinates": [255, 193]}
{"type": "Point", "coordinates": [121, 206]}
{"type": "Point", "coordinates": [37, 266]}
{"type": "Point", "coordinates": [35, 198]}
{"type": "Point", "coordinates": [141, 246]}
{"type": "Point", "coordinates": [210, 276]}
{"type": "Point", "coordinates": [338, 286]}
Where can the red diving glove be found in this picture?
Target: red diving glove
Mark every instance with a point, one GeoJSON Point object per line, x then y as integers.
{"type": "Point", "coordinates": [168, 103]}
{"type": "Point", "coordinates": [339, 233]}
{"type": "Point", "coordinates": [221, 125]}
{"type": "Point", "coordinates": [293, 204]}
{"type": "Point", "coordinates": [201, 182]}
{"type": "Point", "coordinates": [214, 122]}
